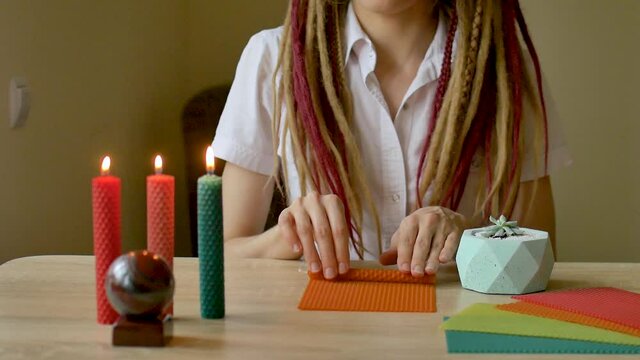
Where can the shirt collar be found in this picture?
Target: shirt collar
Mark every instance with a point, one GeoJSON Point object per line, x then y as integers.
{"type": "Point", "coordinates": [353, 32]}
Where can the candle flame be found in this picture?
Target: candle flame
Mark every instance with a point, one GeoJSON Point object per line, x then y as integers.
{"type": "Point", "coordinates": [211, 162]}
{"type": "Point", "coordinates": [106, 165]}
{"type": "Point", "coordinates": [158, 164]}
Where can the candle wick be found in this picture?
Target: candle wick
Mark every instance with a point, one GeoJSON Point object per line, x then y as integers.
{"type": "Point", "coordinates": [158, 171]}
{"type": "Point", "coordinates": [210, 172]}
{"type": "Point", "coordinates": [104, 173]}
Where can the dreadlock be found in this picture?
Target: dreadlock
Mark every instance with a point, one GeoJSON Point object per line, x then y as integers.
{"type": "Point", "coordinates": [477, 109]}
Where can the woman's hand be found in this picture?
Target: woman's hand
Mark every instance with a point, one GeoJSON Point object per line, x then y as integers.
{"type": "Point", "coordinates": [318, 220]}
{"type": "Point", "coordinates": [425, 239]}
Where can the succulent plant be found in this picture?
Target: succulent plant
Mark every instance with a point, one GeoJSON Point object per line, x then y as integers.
{"type": "Point", "coordinates": [501, 228]}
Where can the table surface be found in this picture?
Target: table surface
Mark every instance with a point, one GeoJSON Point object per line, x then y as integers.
{"type": "Point", "coordinates": [47, 310]}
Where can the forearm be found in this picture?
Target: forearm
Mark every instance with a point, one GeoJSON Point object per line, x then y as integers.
{"type": "Point", "coordinates": [268, 244]}
{"type": "Point", "coordinates": [246, 203]}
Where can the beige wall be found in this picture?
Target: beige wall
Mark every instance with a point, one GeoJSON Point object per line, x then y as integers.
{"type": "Point", "coordinates": [106, 76]}
{"type": "Point", "coordinates": [590, 51]}
{"type": "Point", "coordinates": [219, 30]}
{"type": "Point", "coordinates": [112, 76]}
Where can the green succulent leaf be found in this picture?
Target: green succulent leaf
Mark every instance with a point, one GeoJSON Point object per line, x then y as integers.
{"type": "Point", "coordinates": [501, 228]}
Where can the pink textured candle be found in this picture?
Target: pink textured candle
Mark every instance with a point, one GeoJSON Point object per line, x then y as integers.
{"type": "Point", "coordinates": [160, 214]}
{"type": "Point", "coordinates": [106, 234]}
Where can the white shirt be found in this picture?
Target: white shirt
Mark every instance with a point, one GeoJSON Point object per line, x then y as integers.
{"type": "Point", "coordinates": [390, 144]}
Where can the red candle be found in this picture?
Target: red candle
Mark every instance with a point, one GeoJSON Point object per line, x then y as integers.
{"type": "Point", "coordinates": [160, 214]}
{"type": "Point", "coordinates": [106, 234]}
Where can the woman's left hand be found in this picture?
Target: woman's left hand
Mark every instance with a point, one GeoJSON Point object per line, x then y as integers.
{"type": "Point", "coordinates": [425, 239]}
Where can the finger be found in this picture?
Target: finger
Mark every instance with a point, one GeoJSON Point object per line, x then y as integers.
{"type": "Point", "coordinates": [304, 231]}
{"type": "Point", "coordinates": [406, 239]}
{"type": "Point", "coordinates": [287, 229]}
{"type": "Point", "coordinates": [322, 234]}
{"type": "Point", "coordinates": [450, 248]}
{"type": "Point", "coordinates": [389, 257]}
{"type": "Point", "coordinates": [421, 251]}
{"type": "Point", "coordinates": [339, 230]}
{"type": "Point", "coordinates": [436, 246]}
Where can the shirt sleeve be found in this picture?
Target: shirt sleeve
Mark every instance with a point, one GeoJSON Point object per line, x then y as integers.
{"type": "Point", "coordinates": [243, 136]}
{"type": "Point", "coordinates": [533, 166]}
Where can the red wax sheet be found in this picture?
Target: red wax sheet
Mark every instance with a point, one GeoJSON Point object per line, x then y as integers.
{"type": "Point", "coordinates": [610, 304]}
{"type": "Point", "coordinates": [370, 290]}
{"type": "Point", "coordinates": [526, 308]}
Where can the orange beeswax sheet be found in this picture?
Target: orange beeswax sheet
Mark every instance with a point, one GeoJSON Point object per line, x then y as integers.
{"type": "Point", "coordinates": [551, 313]}
{"type": "Point", "coordinates": [370, 290]}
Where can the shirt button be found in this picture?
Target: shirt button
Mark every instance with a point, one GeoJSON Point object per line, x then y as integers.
{"type": "Point", "coordinates": [405, 107]}
{"type": "Point", "coordinates": [395, 197]}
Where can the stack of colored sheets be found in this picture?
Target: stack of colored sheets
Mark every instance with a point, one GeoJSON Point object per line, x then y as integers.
{"type": "Point", "coordinates": [578, 321]}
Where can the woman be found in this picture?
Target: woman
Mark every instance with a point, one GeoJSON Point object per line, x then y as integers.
{"type": "Point", "coordinates": [397, 124]}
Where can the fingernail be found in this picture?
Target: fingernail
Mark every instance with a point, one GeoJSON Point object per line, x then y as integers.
{"type": "Point", "coordinates": [315, 267]}
{"type": "Point", "coordinates": [405, 267]}
{"type": "Point", "coordinates": [296, 248]}
{"type": "Point", "coordinates": [418, 270]}
{"type": "Point", "coordinates": [343, 268]}
{"type": "Point", "coordinates": [329, 273]}
{"type": "Point", "coordinates": [430, 269]}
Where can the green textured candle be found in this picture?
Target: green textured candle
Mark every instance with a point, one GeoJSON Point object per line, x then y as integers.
{"type": "Point", "coordinates": [210, 244]}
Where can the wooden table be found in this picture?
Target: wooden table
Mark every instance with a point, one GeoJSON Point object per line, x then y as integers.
{"type": "Point", "coordinates": [47, 310]}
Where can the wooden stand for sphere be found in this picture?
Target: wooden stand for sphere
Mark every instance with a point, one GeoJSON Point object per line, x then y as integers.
{"type": "Point", "coordinates": [136, 331]}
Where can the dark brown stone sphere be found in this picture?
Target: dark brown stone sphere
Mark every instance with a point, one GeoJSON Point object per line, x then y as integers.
{"type": "Point", "coordinates": [139, 283]}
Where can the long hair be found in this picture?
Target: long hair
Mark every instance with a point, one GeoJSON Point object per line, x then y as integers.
{"type": "Point", "coordinates": [477, 109]}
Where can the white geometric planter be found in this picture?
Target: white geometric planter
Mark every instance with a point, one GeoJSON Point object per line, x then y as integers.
{"type": "Point", "coordinates": [518, 265]}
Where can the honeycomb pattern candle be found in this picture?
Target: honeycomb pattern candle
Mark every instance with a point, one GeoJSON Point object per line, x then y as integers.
{"type": "Point", "coordinates": [160, 214]}
{"type": "Point", "coordinates": [210, 242]}
{"type": "Point", "coordinates": [106, 234]}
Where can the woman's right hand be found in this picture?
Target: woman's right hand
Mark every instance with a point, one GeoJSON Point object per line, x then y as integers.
{"type": "Point", "coordinates": [319, 220]}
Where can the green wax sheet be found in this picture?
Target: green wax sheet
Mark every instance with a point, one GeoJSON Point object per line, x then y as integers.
{"type": "Point", "coordinates": [487, 318]}
{"type": "Point", "coordinates": [474, 342]}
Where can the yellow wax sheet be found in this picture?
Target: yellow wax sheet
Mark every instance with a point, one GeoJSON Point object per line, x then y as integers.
{"type": "Point", "coordinates": [489, 319]}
